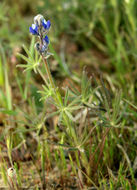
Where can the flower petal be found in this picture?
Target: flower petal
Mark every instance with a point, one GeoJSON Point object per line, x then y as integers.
{"type": "Point", "coordinates": [44, 23]}
{"type": "Point", "coordinates": [34, 29]}
{"type": "Point", "coordinates": [48, 24]}
{"type": "Point", "coordinates": [46, 39]}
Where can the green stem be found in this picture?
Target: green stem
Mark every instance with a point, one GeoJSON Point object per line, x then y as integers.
{"type": "Point", "coordinates": [58, 97]}
{"type": "Point", "coordinates": [48, 72]}
{"type": "Point", "coordinates": [42, 76]}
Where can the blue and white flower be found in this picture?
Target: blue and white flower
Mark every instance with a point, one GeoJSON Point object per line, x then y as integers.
{"type": "Point", "coordinates": [34, 29]}
{"type": "Point", "coordinates": [46, 40]}
{"type": "Point", "coordinates": [46, 24]}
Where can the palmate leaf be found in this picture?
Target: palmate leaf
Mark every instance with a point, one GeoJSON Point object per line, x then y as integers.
{"type": "Point", "coordinates": [31, 64]}
{"type": "Point", "coordinates": [32, 60]}
{"type": "Point", "coordinates": [47, 92]}
{"type": "Point", "coordinates": [29, 52]}
{"type": "Point", "coordinates": [75, 101]}
{"type": "Point", "coordinates": [26, 59]}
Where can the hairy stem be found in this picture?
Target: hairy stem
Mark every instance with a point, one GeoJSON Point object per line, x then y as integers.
{"type": "Point", "coordinates": [48, 72]}
{"type": "Point", "coordinates": [58, 98]}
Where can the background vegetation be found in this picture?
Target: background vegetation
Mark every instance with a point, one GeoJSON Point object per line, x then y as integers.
{"type": "Point", "coordinates": [90, 140]}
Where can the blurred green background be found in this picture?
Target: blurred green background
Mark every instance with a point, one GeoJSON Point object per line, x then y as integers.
{"type": "Point", "coordinates": [100, 34]}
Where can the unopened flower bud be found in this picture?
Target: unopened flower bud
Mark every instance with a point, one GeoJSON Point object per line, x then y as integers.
{"type": "Point", "coordinates": [38, 19]}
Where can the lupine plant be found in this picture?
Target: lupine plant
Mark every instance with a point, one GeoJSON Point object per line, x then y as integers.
{"type": "Point", "coordinates": [40, 28]}
{"type": "Point", "coordinates": [85, 115]}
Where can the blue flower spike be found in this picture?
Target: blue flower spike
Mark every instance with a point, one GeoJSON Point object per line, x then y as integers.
{"type": "Point", "coordinates": [34, 29]}
{"type": "Point", "coordinates": [41, 28]}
